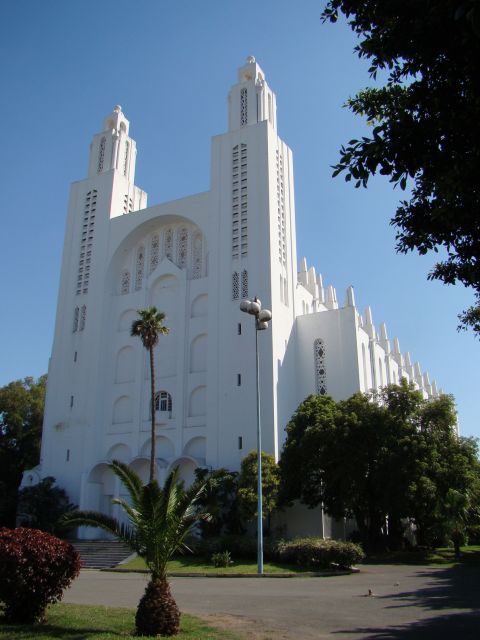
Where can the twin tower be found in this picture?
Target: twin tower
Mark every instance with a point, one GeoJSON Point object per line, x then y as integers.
{"type": "Point", "coordinates": [194, 259]}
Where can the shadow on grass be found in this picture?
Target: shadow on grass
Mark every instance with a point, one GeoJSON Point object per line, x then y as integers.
{"type": "Point", "coordinates": [452, 593]}
{"type": "Point", "coordinates": [26, 632]}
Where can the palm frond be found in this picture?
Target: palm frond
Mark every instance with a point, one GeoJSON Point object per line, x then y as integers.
{"type": "Point", "coordinates": [102, 521]}
{"type": "Point", "coordinates": [130, 479]}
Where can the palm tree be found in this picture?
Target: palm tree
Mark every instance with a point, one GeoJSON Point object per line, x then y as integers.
{"type": "Point", "coordinates": [159, 520]}
{"type": "Point", "coordinates": [149, 327]}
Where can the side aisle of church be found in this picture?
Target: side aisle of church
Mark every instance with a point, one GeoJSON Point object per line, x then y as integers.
{"type": "Point", "coordinates": [194, 259]}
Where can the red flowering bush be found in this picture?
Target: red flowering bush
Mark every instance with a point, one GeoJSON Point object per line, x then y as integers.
{"type": "Point", "coordinates": [35, 568]}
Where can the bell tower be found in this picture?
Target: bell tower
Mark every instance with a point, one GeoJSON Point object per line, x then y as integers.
{"type": "Point", "coordinates": [113, 148]}
{"type": "Point", "coordinates": [251, 100]}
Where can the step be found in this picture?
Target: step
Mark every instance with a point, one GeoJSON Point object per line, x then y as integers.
{"type": "Point", "coordinates": [101, 554]}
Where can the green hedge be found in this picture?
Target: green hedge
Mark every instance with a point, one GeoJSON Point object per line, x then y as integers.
{"type": "Point", "coordinates": [310, 553]}
{"type": "Point", "coordinates": [317, 553]}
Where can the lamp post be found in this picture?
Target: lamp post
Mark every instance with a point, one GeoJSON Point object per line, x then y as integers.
{"type": "Point", "coordinates": [262, 318]}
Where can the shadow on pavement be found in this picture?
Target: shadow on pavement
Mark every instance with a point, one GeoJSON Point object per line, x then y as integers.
{"type": "Point", "coordinates": [462, 626]}
{"type": "Point", "coordinates": [453, 593]}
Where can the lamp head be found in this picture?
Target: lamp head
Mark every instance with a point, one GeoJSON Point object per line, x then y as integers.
{"type": "Point", "coordinates": [265, 315]}
{"type": "Point", "coordinates": [254, 308]}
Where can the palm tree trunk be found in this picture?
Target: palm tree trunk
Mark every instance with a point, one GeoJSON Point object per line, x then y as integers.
{"type": "Point", "coordinates": [157, 612]}
{"type": "Point", "coordinates": [152, 411]}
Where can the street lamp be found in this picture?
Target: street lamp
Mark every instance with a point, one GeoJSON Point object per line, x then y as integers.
{"type": "Point", "coordinates": [262, 318]}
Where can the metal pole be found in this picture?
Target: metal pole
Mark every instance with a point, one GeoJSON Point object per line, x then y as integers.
{"type": "Point", "coordinates": [259, 464]}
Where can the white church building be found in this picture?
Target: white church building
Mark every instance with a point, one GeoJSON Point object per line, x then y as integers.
{"type": "Point", "coordinates": [195, 259]}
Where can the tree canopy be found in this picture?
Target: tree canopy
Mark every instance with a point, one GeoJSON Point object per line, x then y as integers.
{"type": "Point", "coordinates": [21, 417]}
{"type": "Point", "coordinates": [382, 459]}
{"type": "Point", "coordinates": [42, 505]}
{"type": "Point", "coordinates": [425, 126]}
{"type": "Point", "coordinates": [220, 500]}
{"type": "Point", "coordinates": [247, 485]}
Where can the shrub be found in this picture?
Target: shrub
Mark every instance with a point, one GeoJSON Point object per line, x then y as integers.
{"type": "Point", "coordinates": [222, 559]}
{"type": "Point", "coordinates": [243, 547]}
{"type": "Point", "coordinates": [42, 506]}
{"type": "Point", "coordinates": [35, 568]}
{"type": "Point", "coordinates": [317, 553]}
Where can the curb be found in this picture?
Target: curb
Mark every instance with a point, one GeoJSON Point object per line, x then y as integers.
{"type": "Point", "coordinates": [306, 574]}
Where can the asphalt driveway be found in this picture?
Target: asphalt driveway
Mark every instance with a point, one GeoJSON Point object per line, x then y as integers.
{"type": "Point", "coordinates": [405, 603]}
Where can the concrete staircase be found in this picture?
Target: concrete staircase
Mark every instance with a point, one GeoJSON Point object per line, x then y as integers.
{"type": "Point", "coordinates": [101, 554]}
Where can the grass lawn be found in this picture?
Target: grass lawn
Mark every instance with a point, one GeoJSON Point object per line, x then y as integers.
{"type": "Point", "coordinates": [78, 622]}
{"type": "Point", "coordinates": [443, 556]}
{"type": "Point", "coordinates": [192, 564]}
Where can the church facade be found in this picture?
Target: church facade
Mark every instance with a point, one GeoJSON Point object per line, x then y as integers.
{"type": "Point", "coordinates": [195, 259]}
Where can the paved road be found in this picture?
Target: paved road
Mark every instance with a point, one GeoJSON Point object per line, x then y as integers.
{"type": "Point", "coordinates": [407, 603]}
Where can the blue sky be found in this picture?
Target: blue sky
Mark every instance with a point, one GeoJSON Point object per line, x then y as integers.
{"type": "Point", "coordinates": [170, 63]}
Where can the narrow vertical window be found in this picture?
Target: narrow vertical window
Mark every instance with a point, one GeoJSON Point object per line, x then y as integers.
{"type": "Point", "coordinates": [83, 318]}
{"type": "Point", "coordinates": [125, 284]}
{"type": "Point", "coordinates": [244, 284]}
{"type": "Point", "coordinates": [239, 329]}
{"type": "Point", "coordinates": [320, 369]}
{"type": "Point", "coordinates": [71, 402]}
{"type": "Point", "coordinates": [235, 285]}
{"type": "Point", "coordinates": [101, 154]}
{"type": "Point", "coordinates": [154, 252]}
{"type": "Point", "coordinates": [182, 241]}
{"type": "Point", "coordinates": [76, 315]}
{"type": "Point", "coordinates": [240, 442]}
{"type": "Point", "coordinates": [239, 379]}
{"type": "Point", "coordinates": [125, 159]}
{"type": "Point", "coordinates": [75, 356]}
{"type": "Point", "coordinates": [67, 457]}
{"type": "Point", "coordinates": [243, 107]}
{"type": "Point", "coordinates": [197, 256]}
{"type": "Point", "coordinates": [139, 268]}
{"type": "Point", "coordinates": [168, 251]}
